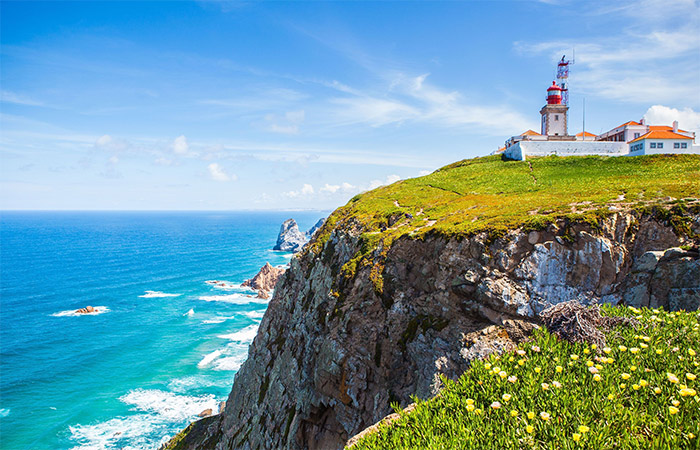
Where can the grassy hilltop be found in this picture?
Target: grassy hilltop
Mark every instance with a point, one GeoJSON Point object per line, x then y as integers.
{"type": "Point", "coordinates": [489, 194]}
{"type": "Point", "coordinates": [494, 196]}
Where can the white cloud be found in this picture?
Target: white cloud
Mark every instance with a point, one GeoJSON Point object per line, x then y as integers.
{"type": "Point", "coordinates": [113, 160]}
{"type": "Point", "coordinates": [305, 190]}
{"type": "Point", "coordinates": [332, 188]}
{"type": "Point", "coordinates": [377, 183]}
{"type": "Point", "coordinates": [287, 124]}
{"type": "Point", "coordinates": [687, 118]}
{"type": "Point", "coordinates": [180, 145]}
{"type": "Point", "coordinates": [108, 143]}
{"type": "Point", "coordinates": [217, 173]}
{"type": "Point", "coordinates": [638, 63]}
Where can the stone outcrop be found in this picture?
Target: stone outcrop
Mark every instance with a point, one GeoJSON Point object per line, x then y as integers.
{"type": "Point", "coordinates": [265, 280]}
{"type": "Point", "coordinates": [337, 346]}
{"type": "Point", "coordinates": [315, 228]}
{"type": "Point", "coordinates": [87, 310]}
{"type": "Point", "coordinates": [290, 239]}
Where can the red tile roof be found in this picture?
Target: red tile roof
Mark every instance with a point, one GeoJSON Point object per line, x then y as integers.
{"type": "Point", "coordinates": [660, 134]}
{"type": "Point", "coordinates": [530, 133]}
{"type": "Point", "coordinates": [587, 134]}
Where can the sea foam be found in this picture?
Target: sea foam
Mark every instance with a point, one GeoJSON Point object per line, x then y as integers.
{"type": "Point", "coordinates": [157, 294]}
{"type": "Point", "coordinates": [236, 299]}
{"type": "Point", "coordinates": [247, 334]}
{"type": "Point", "coordinates": [73, 313]}
{"type": "Point", "coordinates": [209, 358]}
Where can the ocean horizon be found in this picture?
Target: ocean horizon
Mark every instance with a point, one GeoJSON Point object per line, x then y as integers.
{"type": "Point", "coordinates": [163, 346]}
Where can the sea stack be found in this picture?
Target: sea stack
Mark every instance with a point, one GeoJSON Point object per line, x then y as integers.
{"type": "Point", "coordinates": [290, 238]}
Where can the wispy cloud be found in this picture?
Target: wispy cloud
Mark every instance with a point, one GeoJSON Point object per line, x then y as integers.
{"type": "Point", "coordinates": [638, 63]}
{"type": "Point", "coordinates": [18, 99]}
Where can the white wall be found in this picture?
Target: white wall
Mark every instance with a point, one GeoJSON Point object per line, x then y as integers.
{"type": "Point", "coordinates": [523, 149]}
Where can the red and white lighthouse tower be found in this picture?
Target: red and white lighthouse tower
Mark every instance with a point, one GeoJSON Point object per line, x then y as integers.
{"type": "Point", "coordinates": [554, 114]}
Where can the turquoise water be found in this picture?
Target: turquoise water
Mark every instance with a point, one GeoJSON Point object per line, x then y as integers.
{"type": "Point", "coordinates": [165, 344]}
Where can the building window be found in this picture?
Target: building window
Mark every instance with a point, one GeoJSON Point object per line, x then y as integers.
{"type": "Point", "coordinates": [676, 145]}
{"type": "Point", "coordinates": [556, 117]}
{"type": "Point", "coordinates": [660, 145]}
{"type": "Point", "coordinates": [636, 135]}
{"type": "Point", "coordinates": [684, 145]}
{"type": "Point", "coordinates": [652, 145]}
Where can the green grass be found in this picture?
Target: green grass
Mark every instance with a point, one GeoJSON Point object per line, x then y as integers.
{"type": "Point", "coordinates": [494, 196]}
{"type": "Point", "coordinates": [646, 396]}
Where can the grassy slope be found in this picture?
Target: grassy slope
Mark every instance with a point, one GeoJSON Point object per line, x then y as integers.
{"type": "Point", "coordinates": [646, 396]}
{"type": "Point", "coordinates": [494, 196]}
{"type": "Point", "coordinates": [488, 194]}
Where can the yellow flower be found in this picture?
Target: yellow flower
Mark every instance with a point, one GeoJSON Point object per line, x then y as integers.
{"type": "Point", "coordinates": [643, 345]}
{"type": "Point", "coordinates": [514, 413]}
{"type": "Point", "coordinates": [495, 405]}
{"type": "Point", "coordinates": [611, 396]}
{"type": "Point", "coordinates": [596, 377]}
{"type": "Point", "coordinates": [574, 357]}
{"type": "Point", "coordinates": [556, 384]}
{"type": "Point", "coordinates": [675, 402]}
{"type": "Point", "coordinates": [544, 416]}
{"type": "Point", "coordinates": [609, 360]}
{"type": "Point", "coordinates": [634, 350]}
{"type": "Point", "coordinates": [559, 369]}
{"type": "Point", "coordinates": [531, 415]}
{"type": "Point", "coordinates": [646, 338]}
{"type": "Point", "coordinates": [470, 401]}
{"type": "Point", "coordinates": [502, 374]}
{"type": "Point", "coordinates": [529, 428]}
{"type": "Point", "coordinates": [671, 377]}
{"type": "Point", "coordinates": [607, 350]}
{"type": "Point", "coordinates": [586, 351]}
{"type": "Point", "coordinates": [538, 369]}
{"type": "Point", "coordinates": [506, 397]}
{"type": "Point", "coordinates": [635, 387]}
{"type": "Point", "coordinates": [622, 348]}
{"type": "Point", "coordinates": [599, 367]}
{"type": "Point", "coordinates": [687, 392]}
{"type": "Point", "coordinates": [496, 370]}
{"type": "Point", "coordinates": [625, 376]}
{"type": "Point", "coordinates": [470, 407]}
{"type": "Point", "coordinates": [673, 410]}
{"type": "Point", "coordinates": [520, 352]}
{"type": "Point", "coordinates": [511, 359]}
{"type": "Point", "coordinates": [589, 363]}
{"type": "Point", "coordinates": [633, 368]}
{"type": "Point", "coordinates": [691, 352]}
{"type": "Point", "coordinates": [690, 376]}
{"type": "Point", "coordinates": [487, 366]}
{"type": "Point", "coordinates": [691, 436]}
{"type": "Point", "coordinates": [643, 383]}
{"type": "Point", "coordinates": [521, 362]}
{"type": "Point", "coordinates": [583, 429]}
{"type": "Point", "coordinates": [545, 386]}
{"type": "Point", "coordinates": [594, 346]}
{"type": "Point", "coordinates": [657, 390]}
{"type": "Point", "coordinates": [623, 385]}
{"type": "Point", "coordinates": [478, 411]}
{"type": "Point", "coordinates": [659, 351]}
{"type": "Point", "coordinates": [577, 437]}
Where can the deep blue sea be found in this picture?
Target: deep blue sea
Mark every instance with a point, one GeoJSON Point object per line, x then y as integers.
{"type": "Point", "coordinates": [164, 346]}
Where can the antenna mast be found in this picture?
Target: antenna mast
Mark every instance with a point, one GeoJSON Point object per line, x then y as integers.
{"type": "Point", "coordinates": [563, 79]}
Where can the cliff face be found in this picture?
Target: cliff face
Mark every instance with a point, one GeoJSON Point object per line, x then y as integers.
{"type": "Point", "coordinates": [333, 350]}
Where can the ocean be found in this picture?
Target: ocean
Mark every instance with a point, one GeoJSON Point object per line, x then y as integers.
{"type": "Point", "coordinates": [164, 344]}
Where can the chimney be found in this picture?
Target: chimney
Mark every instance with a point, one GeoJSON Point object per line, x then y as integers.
{"type": "Point", "coordinates": [675, 126]}
{"type": "Point", "coordinates": [643, 121]}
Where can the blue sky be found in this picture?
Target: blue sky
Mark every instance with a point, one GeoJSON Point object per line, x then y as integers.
{"type": "Point", "coordinates": [301, 105]}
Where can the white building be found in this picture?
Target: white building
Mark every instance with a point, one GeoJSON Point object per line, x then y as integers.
{"type": "Point", "coordinates": [658, 141]}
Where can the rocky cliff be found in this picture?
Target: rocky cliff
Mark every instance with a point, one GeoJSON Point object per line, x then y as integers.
{"type": "Point", "coordinates": [384, 301]}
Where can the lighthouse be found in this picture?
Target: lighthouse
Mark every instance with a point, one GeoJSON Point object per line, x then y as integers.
{"type": "Point", "coordinates": [554, 115]}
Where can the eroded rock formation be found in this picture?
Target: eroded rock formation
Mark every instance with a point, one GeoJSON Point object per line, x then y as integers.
{"type": "Point", "coordinates": [335, 348]}
{"type": "Point", "coordinates": [265, 280]}
{"type": "Point", "coordinates": [290, 239]}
